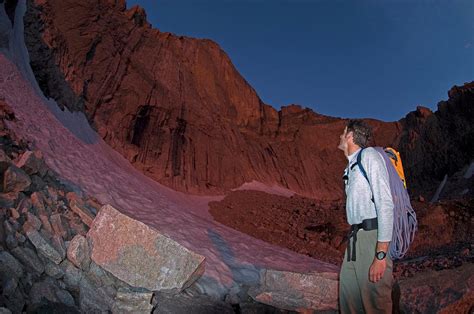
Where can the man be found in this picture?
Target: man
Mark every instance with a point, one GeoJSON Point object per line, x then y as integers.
{"type": "Point", "coordinates": [365, 284]}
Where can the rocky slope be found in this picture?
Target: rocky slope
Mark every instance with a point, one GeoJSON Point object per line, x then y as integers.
{"type": "Point", "coordinates": [56, 257]}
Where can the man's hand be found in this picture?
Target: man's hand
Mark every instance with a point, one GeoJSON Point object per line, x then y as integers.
{"type": "Point", "coordinates": [377, 269]}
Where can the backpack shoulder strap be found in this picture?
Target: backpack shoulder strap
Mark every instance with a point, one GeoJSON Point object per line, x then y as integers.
{"type": "Point", "coordinates": [362, 170]}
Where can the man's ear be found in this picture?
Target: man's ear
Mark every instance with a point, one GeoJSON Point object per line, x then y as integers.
{"type": "Point", "coordinates": [350, 136]}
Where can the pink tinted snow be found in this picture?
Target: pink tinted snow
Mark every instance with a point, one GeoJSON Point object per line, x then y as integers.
{"type": "Point", "coordinates": [82, 158]}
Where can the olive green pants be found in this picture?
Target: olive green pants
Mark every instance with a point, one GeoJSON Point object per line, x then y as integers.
{"type": "Point", "coordinates": [357, 294]}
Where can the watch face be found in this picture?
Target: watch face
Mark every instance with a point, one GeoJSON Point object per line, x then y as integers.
{"type": "Point", "coordinates": [381, 255]}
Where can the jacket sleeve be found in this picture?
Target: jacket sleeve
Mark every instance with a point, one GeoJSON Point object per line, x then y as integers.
{"type": "Point", "coordinates": [379, 181]}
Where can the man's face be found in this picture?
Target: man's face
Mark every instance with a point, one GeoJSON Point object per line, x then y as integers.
{"type": "Point", "coordinates": [344, 138]}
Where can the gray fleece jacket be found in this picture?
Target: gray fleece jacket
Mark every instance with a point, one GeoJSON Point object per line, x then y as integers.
{"type": "Point", "coordinates": [359, 205]}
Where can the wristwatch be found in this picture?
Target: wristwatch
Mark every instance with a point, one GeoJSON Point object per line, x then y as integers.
{"type": "Point", "coordinates": [380, 255]}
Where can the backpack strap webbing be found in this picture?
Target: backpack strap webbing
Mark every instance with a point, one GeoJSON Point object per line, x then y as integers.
{"type": "Point", "coordinates": [364, 173]}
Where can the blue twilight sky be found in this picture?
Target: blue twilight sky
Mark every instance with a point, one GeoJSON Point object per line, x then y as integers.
{"type": "Point", "coordinates": [351, 59]}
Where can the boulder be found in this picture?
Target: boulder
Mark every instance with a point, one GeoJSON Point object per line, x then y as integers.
{"type": "Point", "coordinates": [140, 255]}
{"type": "Point", "coordinates": [58, 225]}
{"type": "Point", "coordinates": [38, 203]}
{"type": "Point", "coordinates": [100, 277]}
{"type": "Point", "coordinates": [434, 291]}
{"type": "Point", "coordinates": [297, 291]}
{"type": "Point", "coordinates": [9, 265]}
{"type": "Point", "coordinates": [8, 285]}
{"type": "Point", "coordinates": [53, 270]}
{"type": "Point", "coordinates": [15, 180]}
{"type": "Point", "coordinates": [78, 207]}
{"type": "Point", "coordinates": [8, 200]}
{"type": "Point", "coordinates": [93, 298]}
{"type": "Point", "coordinates": [33, 221]}
{"type": "Point", "coordinates": [29, 258]}
{"type": "Point", "coordinates": [59, 244]}
{"type": "Point", "coordinates": [32, 163]}
{"type": "Point", "coordinates": [78, 252]}
{"type": "Point", "coordinates": [5, 161]}
{"type": "Point", "coordinates": [129, 301]}
{"type": "Point", "coordinates": [48, 289]}
{"type": "Point", "coordinates": [44, 246]}
{"type": "Point", "coordinates": [72, 275]}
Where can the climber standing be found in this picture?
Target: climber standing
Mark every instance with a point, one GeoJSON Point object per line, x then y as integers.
{"type": "Point", "coordinates": [365, 284]}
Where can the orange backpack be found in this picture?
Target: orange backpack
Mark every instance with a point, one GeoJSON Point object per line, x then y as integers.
{"type": "Point", "coordinates": [397, 163]}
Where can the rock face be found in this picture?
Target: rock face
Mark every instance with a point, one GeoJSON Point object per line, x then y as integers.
{"type": "Point", "coordinates": [298, 292]}
{"type": "Point", "coordinates": [439, 143]}
{"type": "Point", "coordinates": [139, 255]}
{"type": "Point", "coordinates": [176, 107]}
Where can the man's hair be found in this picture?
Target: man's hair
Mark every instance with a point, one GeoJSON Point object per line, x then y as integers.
{"type": "Point", "coordinates": [361, 130]}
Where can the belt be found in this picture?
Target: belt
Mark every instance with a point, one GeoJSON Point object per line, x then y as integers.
{"type": "Point", "coordinates": [367, 225]}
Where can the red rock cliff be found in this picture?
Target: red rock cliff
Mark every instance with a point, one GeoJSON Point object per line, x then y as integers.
{"type": "Point", "coordinates": [176, 107]}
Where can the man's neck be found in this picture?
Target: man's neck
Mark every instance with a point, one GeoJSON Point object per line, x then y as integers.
{"type": "Point", "coordinates": [352, 149]}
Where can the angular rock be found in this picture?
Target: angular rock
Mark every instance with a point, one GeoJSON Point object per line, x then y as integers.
{"type": "Point", "coordinates": [11, 241]}
{"type": "Point", "coordinates": [15, 302]}
{"type": "Point", "coordinates": [49, 290]}
{"type": "Point", "coordinates": [5, 311]}
{"type": "Point", "coordinates": [43, 289]}
{"type": "Point", "coordinates": [297, 291]}
{"type": "Point", "coordinates": [43, 246]}
{"type": "Point", "coordinates": [9, 265]}
{"type": "Point", "coordinates": [78, 252]}
{"type": "Point", "coordinates": [129, 301]}
{"type": "Point", "coordinates": [92, 298]}
{"type": "Point", "coordinates": [9, 285]}
{"type": "Point", "coordinates": [98, 276]}
{"type": "Point", "coordinates": [37, 184]}
{"type": "Point", "coordinates": [5, 161]}
{"type": "Point", "coordinates": [33, 221]}
{"type": "Point", "coordinates": [72, 275]}
{"type": "Point", "coordinates": [29, 258]}
{"type": "Point", "coordinates": [433, 291]}
{"type": "Point", "coordinates": [57, 224]}
{"type": "Point", "coordinates": [53, 270]}
{"type": "Point", "coordinates": [8, 227]}
{"type": "Point", "coordinates": [15, 180]}
{"type": "Point", "coordinates": [53, 194]}
{"type": "Point", "coordinates": [28, 279]}
{"type": "Point", "coordinates": [19, 237]}
{"type": "Point", "coordinates": [32, 163]}
{"type": "Point", "coordinates": [8, 200]}
{"type": "Point", "coordinates": [82, 211]}
{"type": "Point", "coordinates": [14, 213]}
{"type": "Point", "coordinates": [139, 255]}
{"type": "Point", "coordinates": [46, 224]}
{"type": "Point", "coordinates": [24, 205]}
{"type": "Point", "coordinates": [15, 224]}
{"type": "Point", "coordinates": [76, 226]}
{"type": "Point", "coordinates": [59, 245]}
{"type": "Point", "coordinates": [38, 203]}
{"type": "Point", "coordinates": [64, 297]}
{"type": "Point", "coordinates": [93, 205]}
{"type": "Point", "coordinates": [182, 304]}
